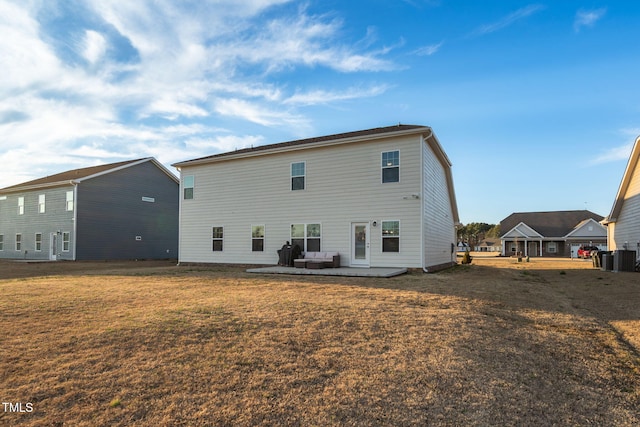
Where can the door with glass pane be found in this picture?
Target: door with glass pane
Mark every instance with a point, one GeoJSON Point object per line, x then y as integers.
{"type": "Point", "coordinates": [360, 244]}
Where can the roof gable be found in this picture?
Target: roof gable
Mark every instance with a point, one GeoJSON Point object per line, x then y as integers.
{"type": "Point", "coordinates": [623, 189]}
{"type": "Point", "coordinates": [549, 224]}
{"type": "Point", "coordinates": [588, 228]}
{"type": "Point", "coordinates": [75, 176]}
{"type": "Point", "coordinates": [522, 231]}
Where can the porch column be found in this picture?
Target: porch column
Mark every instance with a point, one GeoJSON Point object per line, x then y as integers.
{"type": "Point", "coordinates": [540, 247]}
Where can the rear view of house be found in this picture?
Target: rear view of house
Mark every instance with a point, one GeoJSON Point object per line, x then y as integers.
{"type": "Point", "coordinates": [124, 210]}
{"type": "Point", "coordinates": [379, 197]}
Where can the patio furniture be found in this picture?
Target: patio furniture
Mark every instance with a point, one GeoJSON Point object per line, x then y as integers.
{"type": "Point", "coordinates": [328, 259]}
{"type": "Point", "coordinates": [315, 264]}
{"type": "Point", "coordinates": [300, 263]}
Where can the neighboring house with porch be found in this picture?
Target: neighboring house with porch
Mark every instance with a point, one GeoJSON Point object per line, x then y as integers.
{"type": "Point", "coordinates": [124, 210]}
{"type": "Point", "coordinates": [551, 234]}
{"type": "Point", "coordinates": [381, 197]}
{"type": "Point", "coordinates": [490, 244]}
{"type": "Point", "coordinates": [623, 223]}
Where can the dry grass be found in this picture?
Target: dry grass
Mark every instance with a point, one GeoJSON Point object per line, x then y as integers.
{"type": "Point", "coordinates": [494, 343]}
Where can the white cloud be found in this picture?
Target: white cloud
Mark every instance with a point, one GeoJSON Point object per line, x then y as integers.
{"type": "Point", "coordinates": [428, 50]}
{"type": "Point", "coordinates": [188, 67]}
{"type": "Point", "coordinates": [322, 96]}
{"type": "Point", "coordinates": [587, 18]}
{"type": "Point", "coordinates": [508, 20]}
{"type": "Point", "coordinates": [95, 46]}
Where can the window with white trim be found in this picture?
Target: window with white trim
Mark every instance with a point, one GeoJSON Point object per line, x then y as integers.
{"type": "Point", "coordinates": [18, 242]}
{"type": "Point", "coordinates": [217, 236]}
{"type": "Point", "coordinates": [390, 236]}
{"type": "Point", "coordinates": [391, 166]}
{"type": "Point", "coordinates": [298, 173]}
{"type": "Point", "coordinates": [69, 201]}
{"type": "Point", "coordinates": [21, 205]}
{"type": "Point", "coordinates": [257, 238]}
{"type": "Point", "coordinates": [66, 241]}
{"type": "Point", "coordinates": [1, 242]}
{"type": "Point", "coordinates": [38, 242]}
{"type": "Point", "coordinates": [307, 236]}
{"type": "Point", "coordinates": [41, 203]}
{"type": "Point", "coordinates": [188, 184]}
{"type": "Point", "coordinates": [552, 247]}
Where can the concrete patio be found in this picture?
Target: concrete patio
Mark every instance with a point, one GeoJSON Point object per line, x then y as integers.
{"type": "Point", "coordinates": [340, 271]}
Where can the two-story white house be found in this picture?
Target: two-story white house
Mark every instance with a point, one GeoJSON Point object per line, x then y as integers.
{"type": "Point", "coordinates": [381, 197]}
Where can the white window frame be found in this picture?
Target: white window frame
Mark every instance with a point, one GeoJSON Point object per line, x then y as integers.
{"type": "Point", "coordinates": [66, 241]}
{"type": "Point", "coordinates": [217, 239]}
{"type": "Point", "coordinates": [20, 205]}
{"type": "Point", "coordinates": [303, 176]}
{"type": "Point", "coordinates": [383, 237]}
{"type": "Point", "coordinates": [552, 247]}
{"type": "Point", "coordinates": [305, 238]}
{"type": "Point", "coordinates": [42, 203]}
{"type": "Point", "coordinates": [1, 242]}
{"type": "Point", "coordinates": [69, 201]}
{"type": "Point", "coordinates": [389, 166]}
{"type": "Point", "coordinates": [255, 228]}
{"type": "Point", "coordinates": [18, 242]}
{"type": "Point", "coordinates": [192, 186]}
{"type": "Point", "coordinates": [38, 242]}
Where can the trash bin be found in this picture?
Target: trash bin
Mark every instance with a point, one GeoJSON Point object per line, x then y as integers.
{"type": "Point", "coordinates": [624, 260]}
{"type": "Point", "coordinates": [607, 261]}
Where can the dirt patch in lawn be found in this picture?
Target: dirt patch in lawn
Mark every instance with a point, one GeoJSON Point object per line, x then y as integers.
{"type": "Point", "coordinates": [492, 343]}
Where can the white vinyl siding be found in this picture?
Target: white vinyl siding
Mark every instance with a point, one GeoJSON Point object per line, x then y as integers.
{"type": "Point", "coordinates": [627, 226]}
{"type": "Point", "coordinates": [438, 223]}
{"type": "Point", "coordinates": [346, 188]}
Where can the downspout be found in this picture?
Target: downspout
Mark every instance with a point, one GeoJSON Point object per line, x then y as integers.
{"type": "Point", "coordinates": [422, 203]}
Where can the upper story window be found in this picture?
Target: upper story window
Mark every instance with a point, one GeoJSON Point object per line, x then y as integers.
{"type": "Point", "coordinates": [41, 203]}
{"type": "Point", "coordinates": [188, 183]}
{"type": "Point", "coordinates": [21, 205]}
{"type": "Point", "coordinates": [69, 202]}
{"type": "Point", "coordinates": [391, 166]}
{"type": "Point", "coordinates": [297, 175]}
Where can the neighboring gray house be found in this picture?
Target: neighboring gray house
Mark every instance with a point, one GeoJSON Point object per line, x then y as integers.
{"type": "Point", "coordinates": [552, 234]}
{"type": "Point", "coordinates": [124, 210]}
{"type": "Point", "coordinates": [623, 223]}
{"type": "Point", "coordinates": [381, 197]}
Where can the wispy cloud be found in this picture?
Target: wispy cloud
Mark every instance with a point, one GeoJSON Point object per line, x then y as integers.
{"type": "Point", "coordinates": [587, 18]}
{"type": "Point", "coordinates": [125, 76]}
{"type": "Point", "coordinates": [619, 152]}
{"type": "Point", "coordinates": [429, 49]}
{"type": "Point", "coordinates": [507, 20]}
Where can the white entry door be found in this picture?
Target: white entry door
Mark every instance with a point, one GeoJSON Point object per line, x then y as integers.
{"type": "Point", "coordinates": [53, 246]}
{"type": "Point", "coordinates": [360, 244]}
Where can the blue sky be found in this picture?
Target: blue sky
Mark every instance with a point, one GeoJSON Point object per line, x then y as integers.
{"type": "Point", "coordinates": [536, 104]}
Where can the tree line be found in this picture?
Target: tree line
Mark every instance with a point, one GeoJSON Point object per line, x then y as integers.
{"type": "Point", "coordinates": [475, 232]}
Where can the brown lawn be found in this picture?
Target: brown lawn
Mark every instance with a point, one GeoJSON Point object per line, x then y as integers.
{"type": "Point", "coordinates": [494, 343]}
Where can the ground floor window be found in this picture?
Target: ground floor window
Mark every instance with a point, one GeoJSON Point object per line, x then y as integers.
{"type": "Point", "coordinates": [18, 242]}
{"type": "Point", "coordinates": [66, 239]}
{"type": "Point", "coordinates": [38, 242]}
{"type": "Point", "coordinates": [552, 247]}
{"type": "Point", "coordinates": [307, 236]}
{"type": "Point", "coordinates": [257, 238]}
{"type": "Point", "coordinates": [1, 242]}
{"type": "Point", "coordinates": [217, 235]}
{"type": "Point", "coordinates": [390, 236]}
